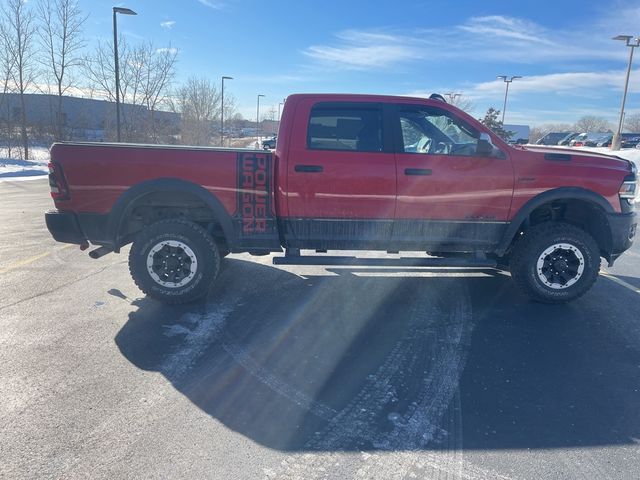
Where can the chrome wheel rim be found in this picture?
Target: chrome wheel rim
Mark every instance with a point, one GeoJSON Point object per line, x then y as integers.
{"type": "Point", "coordinates": [172, 263]}
{"type": "Point", "coordinates": [560, 266]}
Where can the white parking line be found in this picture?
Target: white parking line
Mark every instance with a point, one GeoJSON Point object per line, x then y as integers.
{"type": "Point", "coordinates": [622, 283]}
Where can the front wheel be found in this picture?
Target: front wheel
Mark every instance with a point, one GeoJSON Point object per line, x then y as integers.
{"type": "Point", "coordinates": [174, 261]}
{"type": "Point", "coordinates": [555, 262]}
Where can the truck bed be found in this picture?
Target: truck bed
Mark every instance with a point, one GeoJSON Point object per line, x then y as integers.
{"type": "Point", "coordinates": [100, 177]}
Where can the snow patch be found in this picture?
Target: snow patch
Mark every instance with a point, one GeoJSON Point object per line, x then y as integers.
{"type": "Point", "coordinates": [198, 332]}
{"type": "Point", "coordinates": [20, 169]}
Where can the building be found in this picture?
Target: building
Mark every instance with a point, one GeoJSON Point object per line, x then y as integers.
{"type": "Point", "coordinates": [83, 118]}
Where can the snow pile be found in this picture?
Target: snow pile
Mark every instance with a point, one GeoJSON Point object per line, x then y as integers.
{"type": "Point", "coordinates": [12, 168]}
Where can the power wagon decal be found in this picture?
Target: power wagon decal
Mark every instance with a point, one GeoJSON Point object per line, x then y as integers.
{"type": "Point", "coordinates": [255, 197]}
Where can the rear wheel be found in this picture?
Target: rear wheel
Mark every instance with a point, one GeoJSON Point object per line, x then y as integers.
{"type": "Point", "coordinates": [555, 262]}
{"type": "Point", "coordinates": [174, 261]}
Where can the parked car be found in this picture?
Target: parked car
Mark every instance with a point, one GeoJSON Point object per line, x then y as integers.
{"type": "Point", "coordinates": [566, 140]}
{"type": "Point", "coordinates": [553, 138]}
{"type": "Point", "coordinates": [350, 172]}
{"type": "Point", "coordinates": [578, 140]}
{"type": "Point", "coordinates": [594, 138]}
{"type": "Point", "coordinates": [269, 143]}
{"type": "Point", "coordinates": [630, 140]}
{"type": "Point", "coordinates": [588, 139]}
{"type": "Point", "coordinates": [627, 140]}
{"type": "Point", "coordinates": [605, 141]}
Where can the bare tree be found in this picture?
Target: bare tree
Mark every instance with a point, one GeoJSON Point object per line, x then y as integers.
{"type": "Point", "coordinates": [270, 114]}
{"type": "Point", "coordinates": [157, 73]}
{"type": "Point", "coordinates": [146, 74]}
{"type": "Point", "coordinates": [632, 123]}
{"type": "Point", "coordinates": [198, 100]}
{"type": "Point", "coordinates": [591, 123]}
{"type": "Point", "coordinates": [462, 102]}
{"type": "Point", "coordinates": [230, 107]}
{"type": "Point", "coordinates": [61, 41]}
{"type": "Point", "coordinates": [20, 34]}
{"type": "Point", "coordinates": [100, 71]}
{"type": "Point", "coordinates": [236, 121]}
{"type": "Point", "coordinates": [7, 64]}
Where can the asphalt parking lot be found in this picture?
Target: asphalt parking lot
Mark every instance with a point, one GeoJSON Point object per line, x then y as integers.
{"type": "Point", "coordinates": [307, 372]}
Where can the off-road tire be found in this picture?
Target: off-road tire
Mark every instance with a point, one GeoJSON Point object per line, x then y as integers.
{"type": "Point", "coordinates": [199, 245]}
{"type": "Point", "coordinates": [524, 261]}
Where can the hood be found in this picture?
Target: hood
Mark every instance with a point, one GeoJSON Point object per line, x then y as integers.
{"type": "Point", "coordinates": [586, 156]}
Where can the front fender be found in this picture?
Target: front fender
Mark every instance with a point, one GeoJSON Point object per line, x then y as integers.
{"type": "Point", "coordinates": [562, 193]}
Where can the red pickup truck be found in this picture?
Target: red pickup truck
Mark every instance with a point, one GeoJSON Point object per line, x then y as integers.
{"type": "Point", "coordinates": [350, 172]}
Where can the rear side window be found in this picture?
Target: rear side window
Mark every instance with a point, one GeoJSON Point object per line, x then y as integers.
{"type": "Point", "coordinates": [349, 128]}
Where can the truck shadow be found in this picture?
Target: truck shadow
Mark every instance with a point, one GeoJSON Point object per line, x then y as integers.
{"type": "Point", "coordinates": [365, 359]}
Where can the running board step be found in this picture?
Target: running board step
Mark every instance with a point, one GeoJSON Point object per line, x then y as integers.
{"type": "Point", "coordinates": [384, 262]}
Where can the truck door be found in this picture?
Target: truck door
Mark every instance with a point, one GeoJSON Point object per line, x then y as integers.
{"type": "Point", "coordinates": [454, 190]}
{"type": "Point", "coordinates": [341, 177]}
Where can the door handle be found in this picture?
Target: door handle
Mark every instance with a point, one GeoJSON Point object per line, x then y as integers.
{"type": "Point", "coordinates": [308, 168]}
{"type": "Point", "coordinates": [417, 171]}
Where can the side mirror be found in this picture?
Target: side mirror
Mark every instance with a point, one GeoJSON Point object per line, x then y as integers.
{"type": "Point", "coordinates": [485, 147]}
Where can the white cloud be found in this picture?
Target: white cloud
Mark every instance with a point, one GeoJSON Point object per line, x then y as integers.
{"type": "Point", "coordinates": [168, 25]}
{"type": "Point", "coordinates": [280, 78]}
{"type": "Point", "coordinates": [567, 96]}
{"type": "Point", "coordinates": [171, 50]}
{"type": "Point", "coordinates": [517, 40]}
{"type": "Point", "coordinates": [363, 50]}
{"type": "Point", "coordinates": [581, 68]}
{"type": "Point", "coordinates": [578, 84]}
{"type": "Point", "coordinates": [495, 38]}
{"type": "Point", "coordinates": [618, 19]}
{"type": "Point", "coordinates": [507, 28]}
{"type": "Point", "coordinates": [588, 85]}
{"type": "Point", "coordinates": [554, 82]}
{"type": "Point", "coordinates": [215, 4]}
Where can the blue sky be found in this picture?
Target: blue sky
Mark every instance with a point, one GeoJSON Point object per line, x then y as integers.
{"type": "Point", "coordinates": [563, 49]}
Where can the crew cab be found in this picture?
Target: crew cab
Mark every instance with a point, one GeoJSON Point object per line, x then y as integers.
{"type": "Point", "coordinates": [350, 172]}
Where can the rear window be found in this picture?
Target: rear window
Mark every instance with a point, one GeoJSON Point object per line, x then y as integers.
{"type": "Point", "coordinates": [348, 128]}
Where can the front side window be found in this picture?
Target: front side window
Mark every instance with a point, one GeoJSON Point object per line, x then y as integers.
{"type": "Point", "coordinates": [345, 128]}
{"type": "Point", "coordinates": [435, 131]}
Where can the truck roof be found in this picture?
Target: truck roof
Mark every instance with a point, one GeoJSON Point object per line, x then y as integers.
{"type": "Point", "coordinates": [359, 97]}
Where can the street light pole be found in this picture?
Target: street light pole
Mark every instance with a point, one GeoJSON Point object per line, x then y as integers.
{"type": "Point", "coordinates": [258, 116]}
{"type": "Point", "coordinates": [615, 141]}
{"type": "Point", "coordinates": [506, 80]}
{"type": "Point", "coordinates": [280, 105]}
{"type": "Point", "coordinates": [222, 111]}
{"type": "Point", "coordinates": [123, 11]}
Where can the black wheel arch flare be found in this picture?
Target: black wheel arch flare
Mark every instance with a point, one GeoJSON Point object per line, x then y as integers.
{"type": "Point", "coordinates": [124, 205]}
{"type": "Point", "coordinates": [562, 193]}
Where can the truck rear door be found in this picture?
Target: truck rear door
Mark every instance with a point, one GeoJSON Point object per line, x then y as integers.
{"type": "Point", "coordinates": [341, 176]}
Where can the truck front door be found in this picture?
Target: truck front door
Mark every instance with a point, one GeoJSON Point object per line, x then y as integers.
{"type": "Point", "coordinates": [454, 189]}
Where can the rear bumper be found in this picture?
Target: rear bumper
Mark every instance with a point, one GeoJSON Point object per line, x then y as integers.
{"type": "Point", "coordinates": [78, 228]}
{"type": "Point", "coordinates": [623, 231]}
{"type": "Point", "coordinates": [64, 227]}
